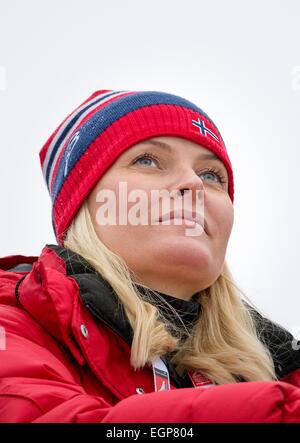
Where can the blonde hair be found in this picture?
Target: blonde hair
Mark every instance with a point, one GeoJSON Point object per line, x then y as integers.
{"type": "Point", "coordinates": [223, 343]}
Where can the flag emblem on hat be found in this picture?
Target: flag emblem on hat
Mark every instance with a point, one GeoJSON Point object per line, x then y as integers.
{"type": "Point", "coordinates": [203, 129]}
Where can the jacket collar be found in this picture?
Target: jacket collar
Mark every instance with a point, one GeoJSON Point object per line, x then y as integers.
{"type": "Point", "coordinates": [100, 299]}
{"type": "Point", "coordinates": [95, 293]}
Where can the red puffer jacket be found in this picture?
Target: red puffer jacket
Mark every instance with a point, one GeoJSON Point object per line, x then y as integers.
{"type": "Point", "coordinates": [62, 360]}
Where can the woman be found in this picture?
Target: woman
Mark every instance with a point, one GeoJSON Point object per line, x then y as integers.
{"type": "Point", "coordinates": [136, 301]}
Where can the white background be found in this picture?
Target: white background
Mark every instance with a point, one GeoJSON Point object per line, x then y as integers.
{"type": "Point", "coordinates": [237, 60]}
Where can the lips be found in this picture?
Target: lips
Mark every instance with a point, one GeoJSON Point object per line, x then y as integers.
{"type": "Point", "coordinates": [188, 215]}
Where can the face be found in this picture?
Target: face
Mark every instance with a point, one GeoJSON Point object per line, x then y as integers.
{"type": "Point", "coordinates": [162, 256]}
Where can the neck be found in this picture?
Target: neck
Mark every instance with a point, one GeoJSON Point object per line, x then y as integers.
{"type": "Point", "coordinates": [172, 288]}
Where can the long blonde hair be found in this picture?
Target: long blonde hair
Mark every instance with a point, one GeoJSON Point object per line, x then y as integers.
{"type": "Point", "coordinates": [223, 343]}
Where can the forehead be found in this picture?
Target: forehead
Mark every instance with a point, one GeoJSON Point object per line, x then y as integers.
{"type": "Point", "coordinates": [173, 145]}
{"type": "Point", "coordinates": [179, 146]}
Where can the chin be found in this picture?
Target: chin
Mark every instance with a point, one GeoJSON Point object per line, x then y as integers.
{"type": "Point", "coordinates": [182, 252]}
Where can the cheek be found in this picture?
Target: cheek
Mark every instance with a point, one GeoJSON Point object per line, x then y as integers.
{"type": "Point", "coordinates": [127, 241]}
{"type": "Point", "coordinates": [106, 183]}
{"type": "Point", "coordinates": [114, 236]}
{"type": "Point", "coordinates": [220, 215]}
{"type": "Point", "coordinates": [224, 218]}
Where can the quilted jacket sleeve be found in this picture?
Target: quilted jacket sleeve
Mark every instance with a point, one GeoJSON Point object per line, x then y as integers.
{"type": "Point", "coordinates": [36, 387]}
{"type": "Point", "coordinates": [232, 403]}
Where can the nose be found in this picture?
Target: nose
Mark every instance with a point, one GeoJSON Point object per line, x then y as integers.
{"type": "Point", "coordinates": [188, 181]}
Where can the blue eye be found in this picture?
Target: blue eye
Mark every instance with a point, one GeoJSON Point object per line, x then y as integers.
{"type": "Point", "coordinates": [216, 173]}
{"type": "Point", "coordinates": [149, 157]}
{"type": "Point", "coordinates": [146, 158]}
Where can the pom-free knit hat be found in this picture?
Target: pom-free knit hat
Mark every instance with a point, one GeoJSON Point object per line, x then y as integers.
{"type": "Point", "coordinates": [105, 125]}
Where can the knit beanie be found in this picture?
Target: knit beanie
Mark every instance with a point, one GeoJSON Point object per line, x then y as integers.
{"type": "Point", "coordinates": [106, 124]}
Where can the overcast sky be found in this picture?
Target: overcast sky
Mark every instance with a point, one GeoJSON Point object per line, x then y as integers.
{"type": "Point", "coordinates": [238, 61]}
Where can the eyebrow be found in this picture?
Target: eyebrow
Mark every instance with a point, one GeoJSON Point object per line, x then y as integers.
{"type": "Point", "coordinates": [167, 147]}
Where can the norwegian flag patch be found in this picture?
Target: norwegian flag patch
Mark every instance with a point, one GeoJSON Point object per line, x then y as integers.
{"type": "Point", "coordinates": [203, 129]}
